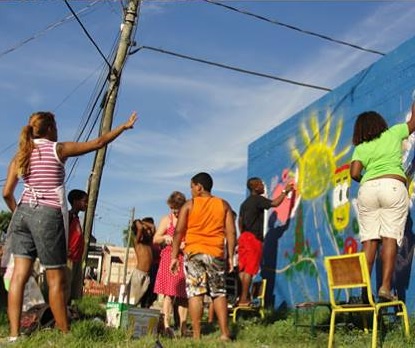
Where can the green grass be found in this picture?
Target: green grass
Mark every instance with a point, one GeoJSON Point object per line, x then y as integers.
{"type": "Point", "coordinates": [276, 330]}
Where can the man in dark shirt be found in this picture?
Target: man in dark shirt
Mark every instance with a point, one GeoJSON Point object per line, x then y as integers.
{"type": "Point", "coordinates": [251, 225]}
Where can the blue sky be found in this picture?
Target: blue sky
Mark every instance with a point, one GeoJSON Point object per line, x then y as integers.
{"type": "Point", "coordinates": [192, 117]}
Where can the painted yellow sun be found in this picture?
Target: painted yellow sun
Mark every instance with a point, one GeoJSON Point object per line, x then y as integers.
{"type": "Point", "coordinates": [317, 163]}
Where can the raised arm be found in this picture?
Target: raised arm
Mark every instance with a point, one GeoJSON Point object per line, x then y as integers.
{"type": "Point", "coordinates": [139, 231]}
{"type": "Point", "coordinates": [10, 185]}
{"type": "Point", "coordinates": [72, 149]}
{"type": "Point", "coordinates": [277, 201]}
{"type": "Point", "coordinates": [160, 237]}
{"type": "Point", "coordinates": [411, 122]}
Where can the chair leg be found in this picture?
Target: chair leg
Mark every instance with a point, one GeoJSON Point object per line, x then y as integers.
{"type": "Point", "coordinates": [365, 326]}
{"type": "Point", "coordinates": [405, 320]}
{"type": "Point", "coordinates": [332, 326]}
{"type": "Point", "coordinates": [234, 315]}
{"type": "Point", "coordinates": [375, 329]}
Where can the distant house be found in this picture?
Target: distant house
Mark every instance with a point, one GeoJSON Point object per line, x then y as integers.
{"type": "Point", "coordinates": [105, 268]}
{"type": "Point", "coordinates": [113, 264]}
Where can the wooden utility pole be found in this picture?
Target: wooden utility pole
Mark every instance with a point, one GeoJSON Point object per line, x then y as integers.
{"type": "Point", "coordinates": [127, 249]}
{"type": "Point", "coordinates": [130, 17]}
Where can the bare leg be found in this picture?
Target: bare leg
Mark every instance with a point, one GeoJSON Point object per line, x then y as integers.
{"type": "Point", "coordinates": [183, 319]}
{"type": "Point", "coordinates": [21, 273]}
{"type": "Point", "coordinates": [211, 313]}
{"type": "Point", "coordinates": [370, 248]}
{"type": "Point", "coordinates": [196, 312]}
{"type": "Point", "coordinates": [56, 285]}
{"type": "Point", "coordinates": [221, 308]}
{"type": "Point", "coordinates": [245, 284]}
{"type": "Point", "coordinates": [167, 309]}
{"type": "Point", "coordinates": [388, 254]}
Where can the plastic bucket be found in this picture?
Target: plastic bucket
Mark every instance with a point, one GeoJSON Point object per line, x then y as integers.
{"type": "Point", "coordinates": [143, 321]}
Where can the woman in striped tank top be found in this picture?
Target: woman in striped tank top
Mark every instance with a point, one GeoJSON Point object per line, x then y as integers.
{"type": "Point", "coordinates": [37, 226]}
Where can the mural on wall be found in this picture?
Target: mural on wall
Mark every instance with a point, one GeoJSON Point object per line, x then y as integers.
{"type": "Point", "coordinates": [340, 198]}
{"type": "Point", "coordinates": [317, 176]}
{"type": "Point", "coordinates": [320, 218]}
{"type": "Point", "coordinates": [317, 163]}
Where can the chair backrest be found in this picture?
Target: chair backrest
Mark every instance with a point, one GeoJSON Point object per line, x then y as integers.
{"type": "Point", "coordinates": [348, 272]}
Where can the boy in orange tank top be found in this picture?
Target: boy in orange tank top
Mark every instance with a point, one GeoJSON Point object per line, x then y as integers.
{"type": "Point", "coordinates": [206, 222]}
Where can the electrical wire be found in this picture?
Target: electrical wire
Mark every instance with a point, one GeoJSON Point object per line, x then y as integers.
{"type": "Point", "coordinates": [289, 26]}
{"type": "Point", "coordinates": [92, 105]}
{"type": "Point", "coordinates": [229, 67]}
{"type": "Point", "coordinates": [87, 34]}
{"type": "Point", "coordinates": [43, 31]}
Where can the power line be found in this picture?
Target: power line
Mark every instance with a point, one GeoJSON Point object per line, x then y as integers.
{"type": "Point", "coordinates": [86, 33]}
{"type": "Point", "coordinates": [43, 31]}
{"type": "Point", "coordinates": [289, 26]}
{"type": "Point", "coordinates": [8, 147]}
{"type": "Point", "coordinates": [229, 67]}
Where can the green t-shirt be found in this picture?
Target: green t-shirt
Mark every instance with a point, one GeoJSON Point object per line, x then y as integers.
{"type": "Point", "coordinates": [382, 155]}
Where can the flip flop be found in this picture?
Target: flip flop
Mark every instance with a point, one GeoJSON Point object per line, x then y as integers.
{"type": "Point", "coordinates": [386, 295]}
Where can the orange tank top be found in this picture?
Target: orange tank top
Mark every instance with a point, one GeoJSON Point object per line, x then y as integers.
{"type": "Point", "coordinates": [206, 227]}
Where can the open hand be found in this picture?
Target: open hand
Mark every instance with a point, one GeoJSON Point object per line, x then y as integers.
{"type": "Point", "coordinates": [130, 123]}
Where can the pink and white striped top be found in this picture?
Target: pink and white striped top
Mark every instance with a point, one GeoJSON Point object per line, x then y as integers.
{"type": "Point", "coordinates": [46, 176]}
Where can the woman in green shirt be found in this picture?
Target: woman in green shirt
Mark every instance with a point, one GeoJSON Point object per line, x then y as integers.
{"type": "Point", "coordinates": [383, 197]}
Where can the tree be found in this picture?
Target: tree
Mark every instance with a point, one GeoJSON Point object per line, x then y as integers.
{"type": "Point", "coordinates": [125, 234]}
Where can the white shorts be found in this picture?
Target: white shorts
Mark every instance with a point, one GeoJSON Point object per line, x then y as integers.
{"type": "Point", "coordinates": [383, 209]}
{"type": "Point", "coordinates": [137, 285]}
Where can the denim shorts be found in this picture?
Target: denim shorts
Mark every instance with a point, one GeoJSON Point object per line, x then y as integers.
{"type": "Point", "coordinates": [383, 209]}
{"type": "Point", "coordinates": [39, 232]}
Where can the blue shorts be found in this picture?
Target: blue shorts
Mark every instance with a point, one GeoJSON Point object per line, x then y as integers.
{"type": "Point", "coordinates": [39, 232]}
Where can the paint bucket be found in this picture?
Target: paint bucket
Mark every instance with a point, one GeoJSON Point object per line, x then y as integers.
{"type": "Point", "coordinates": [143, 321]}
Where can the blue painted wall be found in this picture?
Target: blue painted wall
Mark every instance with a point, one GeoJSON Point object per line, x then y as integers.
{"type": "Point", "coordinates": [314, 147]}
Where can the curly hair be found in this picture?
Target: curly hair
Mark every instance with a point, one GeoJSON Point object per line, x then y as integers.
{"type": "Point", "coordinates": [369, 125]}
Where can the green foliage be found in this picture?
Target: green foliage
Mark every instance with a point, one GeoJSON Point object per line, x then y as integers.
{"type": "Point", "coordinates": [5, 217]}
{"type": "Point", "coordinates": [125, 234]}
{"type": "Point", "coordinates": [91, 306]}
{"type": "Point", "coordinates": [3, 323]}
{"type": "Point", "coordinates": [276, 330]}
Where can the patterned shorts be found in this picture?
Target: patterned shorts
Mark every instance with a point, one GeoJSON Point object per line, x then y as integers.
{"type": "Point", "coordinates": [205, 274]}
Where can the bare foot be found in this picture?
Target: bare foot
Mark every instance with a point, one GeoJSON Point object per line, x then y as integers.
{"type": "Point", "coordinates": [225, 338]}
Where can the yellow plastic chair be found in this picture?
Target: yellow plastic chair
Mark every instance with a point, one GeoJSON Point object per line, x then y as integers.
{"type": "Point", "coordinates": [258, 301]}
{"type": "Point", "coordinates": [346, 272]}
